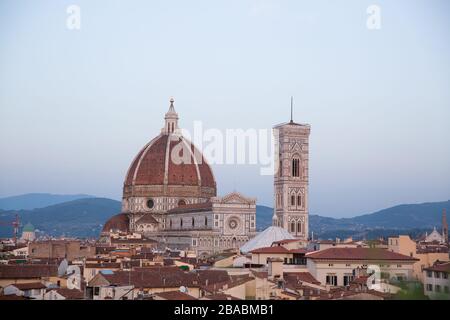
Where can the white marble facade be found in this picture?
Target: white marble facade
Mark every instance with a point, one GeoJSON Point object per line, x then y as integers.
{"type": "Point", "coordinates": [219, 224]}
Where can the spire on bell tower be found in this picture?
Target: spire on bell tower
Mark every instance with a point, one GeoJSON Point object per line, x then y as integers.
{"type": "Point", "coordinates": [292, 109]}
{"type": "Point", "coordinates": [171, 119]}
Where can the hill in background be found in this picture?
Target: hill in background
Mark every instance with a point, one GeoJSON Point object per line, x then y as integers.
{"type": "Point", "coordinates": [85, 218]}
{"type": "Point", "coordinates": [31, 201]}
{"type": "Point", "coordinates": [78, 218]}
{"type": "Point", "coordinates": [412, 219]}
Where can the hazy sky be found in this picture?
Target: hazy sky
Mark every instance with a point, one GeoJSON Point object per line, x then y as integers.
{"type": "Point", "coordinates": [77, 105]}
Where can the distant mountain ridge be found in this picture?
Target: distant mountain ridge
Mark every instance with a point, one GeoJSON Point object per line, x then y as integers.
{"type": "Point", "coordinates": [406, 218]}
{"type": "Point", "coordinates": [82, 218]}
{"type": "Point", "coordinates": [31, 201]}
{"type": "Point", "coordinates": [85, 217]}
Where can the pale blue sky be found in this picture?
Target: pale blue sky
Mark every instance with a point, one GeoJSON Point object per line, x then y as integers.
{"type": "Point", "coordinates": [76, 106]}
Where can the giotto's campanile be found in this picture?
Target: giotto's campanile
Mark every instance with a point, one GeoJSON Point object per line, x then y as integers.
{"type": "Point", "coordinates": [291, 178]}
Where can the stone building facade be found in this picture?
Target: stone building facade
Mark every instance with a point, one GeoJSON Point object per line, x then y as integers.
{"type": "Point", "coordinates": [60, 249]}
{"type": "Point", "coordinates": [291, 179]}
{"type": "Point", "coordinates": [219, 224]}
{"type": "Point", "coordinates": [170, 194]}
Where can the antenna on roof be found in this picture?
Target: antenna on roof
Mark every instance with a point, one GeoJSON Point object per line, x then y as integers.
{"type": "Point", "coordinates": [292, 109]}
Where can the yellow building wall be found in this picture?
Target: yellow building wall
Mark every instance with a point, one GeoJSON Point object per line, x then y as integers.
{"type": "Point", "coordinates": [261, 258]}
{"type": "Point", "coordinates": [225, 263]}
{"type": "Point", "coordinates": [237, 292]}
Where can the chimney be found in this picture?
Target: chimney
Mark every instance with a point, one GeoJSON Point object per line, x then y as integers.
{"type": "Point", "coordinates": [275, 268]}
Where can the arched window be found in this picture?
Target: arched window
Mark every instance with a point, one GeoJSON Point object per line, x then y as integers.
{"type": "Point", "coordinates": [206, 221]}
{"type": "Point", "coordinates": [193, 222]}
{"type": "Point", "coordinates": [292, 227]}
{"type": "Point", "coordinates": [299, 200]}
{"type": "Point", "coordinates": [299, 227]}
{"type": "Point", "coordinates": [296, 167]}
{"type": "Point", "coordinates": [182, 202]}
{"type": "Point", "coordinates": [181, 222]}
{"type": "Point", "coordinates": [292, 200]}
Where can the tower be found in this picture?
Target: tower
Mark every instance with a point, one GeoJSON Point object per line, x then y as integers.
{"type": "Point", "coordinates": [444, 226]}
{"type": "Point", "coordinates": [170, 119]}
{"type": "Point", "coordinates": [291, 178]}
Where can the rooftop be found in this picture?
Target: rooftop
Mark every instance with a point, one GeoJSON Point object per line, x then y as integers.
{"type": "Point", "coordinates": [29, 286]}
{"type": "Point", "coordinates": [279, 250]}
{"type": "Point", "coordinates": [27, 271]}
{"type": "Point", "coordinates": [174, 295]}
{"type": "Point", "coordinates": [71, 294]}
{"type": "Point", "coordinates": [299, 277]}
{"type": "Point", "coordinates": [357, 254]}
{"type": "Point", "coordinates": [440, 267]}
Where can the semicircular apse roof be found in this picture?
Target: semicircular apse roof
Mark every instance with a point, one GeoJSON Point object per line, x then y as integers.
{"type": "Point", "coordinates": [266, 238]}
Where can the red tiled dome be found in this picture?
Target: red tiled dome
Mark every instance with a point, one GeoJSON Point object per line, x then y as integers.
{"type": "Point", "coordinates": [154, 165]}
{"type": "Point", "coordinates": [119, 222]}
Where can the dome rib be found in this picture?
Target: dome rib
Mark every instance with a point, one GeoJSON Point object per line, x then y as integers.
{"type": "Point", "coordinates": [153, 166]}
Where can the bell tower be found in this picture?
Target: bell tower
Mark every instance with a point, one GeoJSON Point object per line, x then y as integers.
{"type": "Point", "coordinates": [444, 226]}
{"type": "Point", "coordinates": [291, 179]}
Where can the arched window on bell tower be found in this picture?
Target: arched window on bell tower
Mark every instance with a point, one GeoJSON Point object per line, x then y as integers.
{"type": "Point", "coordinates": [299, 201]}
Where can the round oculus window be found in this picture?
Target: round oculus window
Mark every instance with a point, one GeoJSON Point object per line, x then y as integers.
{"type": "Point", "coordinates": [233, 224]}
{"type": "Point", "coordinates": [150, 203]}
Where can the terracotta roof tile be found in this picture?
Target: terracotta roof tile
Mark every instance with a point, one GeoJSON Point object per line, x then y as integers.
{"type": "Point", "coordinates": [152, 278]}
{"type": "Point", "coordinates": [29, 286]}
{"type": "Point", "coordinates": [440, 267]}
{"type": "Point", "coordinates": [297, 278]}
{"type": "Point", "coordinates": [70, 294]}
{"type": "Point", "coordinates": [119, 222]}
{"type": "Point", "coordinates": [103, 265]}
{"type": "Point", "coordinates": [27, 271]}
{"type": "Point", "coordinates": [174, 295]}
{"type": "Point", "coordinates": [12, 297]}
{"type": "Point", "coordinates": [148, 168]}
{"type": "Point", "coordinates": [358, 254]}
